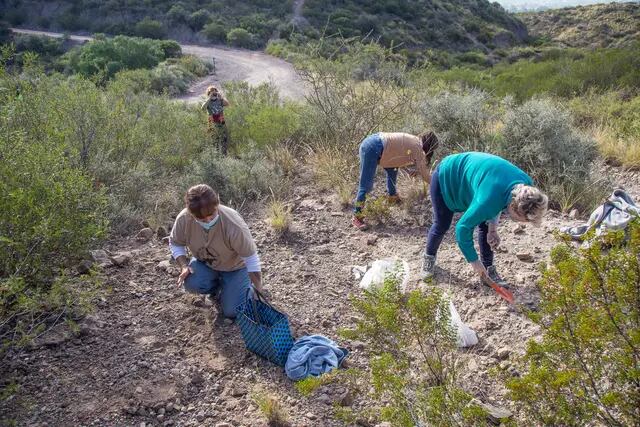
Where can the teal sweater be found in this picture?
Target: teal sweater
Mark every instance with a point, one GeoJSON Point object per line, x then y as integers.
{"type": "Point", "coordinates": [479, 185]}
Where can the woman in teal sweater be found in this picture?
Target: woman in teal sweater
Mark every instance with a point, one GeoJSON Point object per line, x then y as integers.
{"type": "Point", "coordinates": [482, 186]}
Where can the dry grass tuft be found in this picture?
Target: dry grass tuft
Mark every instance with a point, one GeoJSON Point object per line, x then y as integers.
{"type": "Point", "coordinates": [284, 158]}
{"type": "Point", "coordinates": [272, 410]}
{"type": "Point", "coordinates": [335, 170]}
{"type": "Point", "coordinates": [412, 190]}
{"type": "Point", "coordinates": [279, 216]}
{"type": "Point", "coordinates": [617, 151]}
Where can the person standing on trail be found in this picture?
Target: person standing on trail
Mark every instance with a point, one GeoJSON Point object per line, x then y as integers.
{"type": "Point", "coordinates": [224, 255]}
{"type": "Point", "coordinates": [391, 151]}
{"type": "Point", "coordinates": [482, 186]}
{"type": "Point", "coordinates": [214, 105]}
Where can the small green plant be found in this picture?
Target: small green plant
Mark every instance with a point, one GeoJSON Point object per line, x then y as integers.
{"type": "Point", "coordinates": [279, 216]}
{"type": "Point", "coordinates": [586, 367]}
{"type": "Point", "coordinates": [272, 409]}
{"type": "Point", "coordinates": [377, 209]}
{"type": "Point", "coordinates": [307, 386]}
{"type": "Point", "coordinates": [413, 365]}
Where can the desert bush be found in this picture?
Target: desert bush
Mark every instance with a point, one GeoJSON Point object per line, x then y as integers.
{"type": "Point", "coordinates": [258, 116]}
{"type": "Point", "coordinates": [215, 32]}
{"type": "Point", "coordinates": [279, 216]}
{"type": "Point", "coordinates": [462, 121]}
{"type": "Point", "coordinates": [539, 138]}
{"type": "Point", "coordinates": [584, 369]}
{"type": "Point", "coordinates": [272, 409]}
{"type": "Point", "coordinates": [199, 19]}
{"type": "Point", "coordinates": [150, 28]}
{"type": "Point", "coordinates": [237, 180]}
{"type": "Point", "coordinates": [344, 110]}
{"type": "Point", "coordinates": [413, 367]}
{"type": "Point", "coordinates": [103, 57]}
{"type": "Point", "coordinates": [239, 37]}
{"type": "Point", "coordinates": [284, 157]}
{"type": "Point", "coordinates": [377, 209]}
{"type": "Point", "coordinates": [50, 214]}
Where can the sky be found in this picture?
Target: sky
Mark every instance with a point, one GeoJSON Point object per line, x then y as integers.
{"type": "Point", "coordinates": [520, 5]}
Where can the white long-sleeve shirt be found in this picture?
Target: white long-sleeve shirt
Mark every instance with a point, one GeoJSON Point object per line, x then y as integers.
{"type": "Point", "coordinates": [252, 262]}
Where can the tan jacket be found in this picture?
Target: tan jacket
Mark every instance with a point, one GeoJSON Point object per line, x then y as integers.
{"type": "Point", "coordinates": [403, 149]}
{"type": "Point", "coordinates": [222, 247]}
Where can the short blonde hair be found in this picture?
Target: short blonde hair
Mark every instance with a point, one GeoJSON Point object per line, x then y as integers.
{"type": "Point", "coordinates": [211, 89]}
{"type": "Point", "coordinates": [529, 202]}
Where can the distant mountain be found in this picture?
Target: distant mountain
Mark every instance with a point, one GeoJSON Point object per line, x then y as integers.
{"type": "Point", "coordinates": [540, 5]}
{"type": "Point", "coordinates": [601, 25]}
{"type": "Point", "coordinates": [455, 25]}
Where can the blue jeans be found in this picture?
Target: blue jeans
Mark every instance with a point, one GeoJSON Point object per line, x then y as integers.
{"type": "Point", "coordinates": [442, 217]}
{"type": "Point", "coordinates": [232, 285]}
{"type": "Point", "coordinates": [370, 153]}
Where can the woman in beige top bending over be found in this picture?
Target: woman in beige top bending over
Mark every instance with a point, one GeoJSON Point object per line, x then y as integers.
{"type": "Point", "coordinates": [391, 151]}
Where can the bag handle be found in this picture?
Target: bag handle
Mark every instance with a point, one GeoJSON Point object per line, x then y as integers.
{"type": "Point", "coordinates": [259, 296]}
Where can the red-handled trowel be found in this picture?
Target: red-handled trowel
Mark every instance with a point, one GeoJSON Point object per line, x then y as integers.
{"type": "Point", "coordinates": [505, 294]}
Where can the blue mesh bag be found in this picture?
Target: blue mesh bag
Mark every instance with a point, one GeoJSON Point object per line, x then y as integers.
{"type": "Point", "coordinates": [265, 330]}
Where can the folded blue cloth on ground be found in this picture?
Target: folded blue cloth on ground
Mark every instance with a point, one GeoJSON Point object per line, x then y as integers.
{"type": "Point", "coordinates": [313, 355]}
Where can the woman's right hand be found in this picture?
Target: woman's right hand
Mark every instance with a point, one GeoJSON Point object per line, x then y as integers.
{"type": "Point", "coordinates": [479, 269]}
{"type": "Point", "coordinates": [184, 273]}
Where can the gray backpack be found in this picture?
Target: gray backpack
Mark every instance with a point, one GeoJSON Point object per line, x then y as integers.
{"type": "Point", "coordinates": [614, 214]}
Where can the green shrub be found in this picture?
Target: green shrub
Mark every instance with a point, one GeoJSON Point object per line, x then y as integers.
{"type": "Point", "coordinates": [50, 214]}
{"type": "Point", "coordinates": [585, 368]}
{"type": "Point", "coordinates": [258, 117]}
{"type": "Point", "coordinates": [215, 32]}
{"type": "Point", "coordinates": [538, 137]}
{"type": "Point", "coordinates": [462, 121]}
{"type": "Point", "coordinates": [199, 19]}
{"type": "Point", "coordinates": [239, 37]}
{"type": "Point", "coordinates": [236, 179]}
{"type": "Point", "coordinates": [150, 28]}
{"type": "Point", "coordinates": [170, 48]}
{"type": "Point", "coordinates": [104, 57]}
{"type": "Point", "coordinates": [412, 362]}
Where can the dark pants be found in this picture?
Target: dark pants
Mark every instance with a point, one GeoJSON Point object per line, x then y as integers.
{"type": "Point", "coordinates": [442, 217]}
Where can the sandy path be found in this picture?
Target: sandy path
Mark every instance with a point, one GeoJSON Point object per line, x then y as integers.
{"type": "Point", "coordinates": [231, 64]}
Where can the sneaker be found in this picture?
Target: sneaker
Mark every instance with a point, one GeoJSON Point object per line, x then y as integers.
{"type": "Point", "coordinates": [428, 266]}
{"type": "Point", "coordinates": [394, 200]}
{"type": "Point", "coordinates": [359, 223]}
{"type": "Point", "coordinates": [493, 274]}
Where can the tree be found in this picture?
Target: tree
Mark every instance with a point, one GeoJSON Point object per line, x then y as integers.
{"type": "Point", "coordinates": [150, 28]}
{"type": "Point", "coordinates": [215, 32]}
{"type": "Point", "coordinates": [239, 37]}
{"type": "Point", "coordinates": [199, 19]}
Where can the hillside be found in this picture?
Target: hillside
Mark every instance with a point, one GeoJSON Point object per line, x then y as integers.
{"type": "Point", "coordinates": [599, 25]}
{"type": "Point", "coordinates": [458, 25]}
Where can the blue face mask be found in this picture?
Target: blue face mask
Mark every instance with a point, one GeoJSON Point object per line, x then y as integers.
{"type": "Point", "coordinates": [207, 225]}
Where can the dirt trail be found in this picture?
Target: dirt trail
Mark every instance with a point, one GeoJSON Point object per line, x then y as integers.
{"type": "Point", "coordinates": [148, 356]}
{"type": "Point", "coordinates": [231, 64]}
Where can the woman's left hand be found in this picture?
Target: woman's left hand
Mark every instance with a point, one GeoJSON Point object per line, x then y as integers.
{"type": "Point", "coordinates": [493, 239]}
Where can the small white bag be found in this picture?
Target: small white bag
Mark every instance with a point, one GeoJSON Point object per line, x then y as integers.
{"type": "Point", "coordinates": [374, 277]}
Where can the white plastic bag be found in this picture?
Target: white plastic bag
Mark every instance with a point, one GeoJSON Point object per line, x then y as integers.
{"type": "Point", "coordinates": [374, 277]}
{"type": "Point", "coordinates": [466, 336]}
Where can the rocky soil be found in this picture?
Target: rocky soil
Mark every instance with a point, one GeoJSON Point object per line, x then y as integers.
{"type": "Point", "coordinates": [151, 355]}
